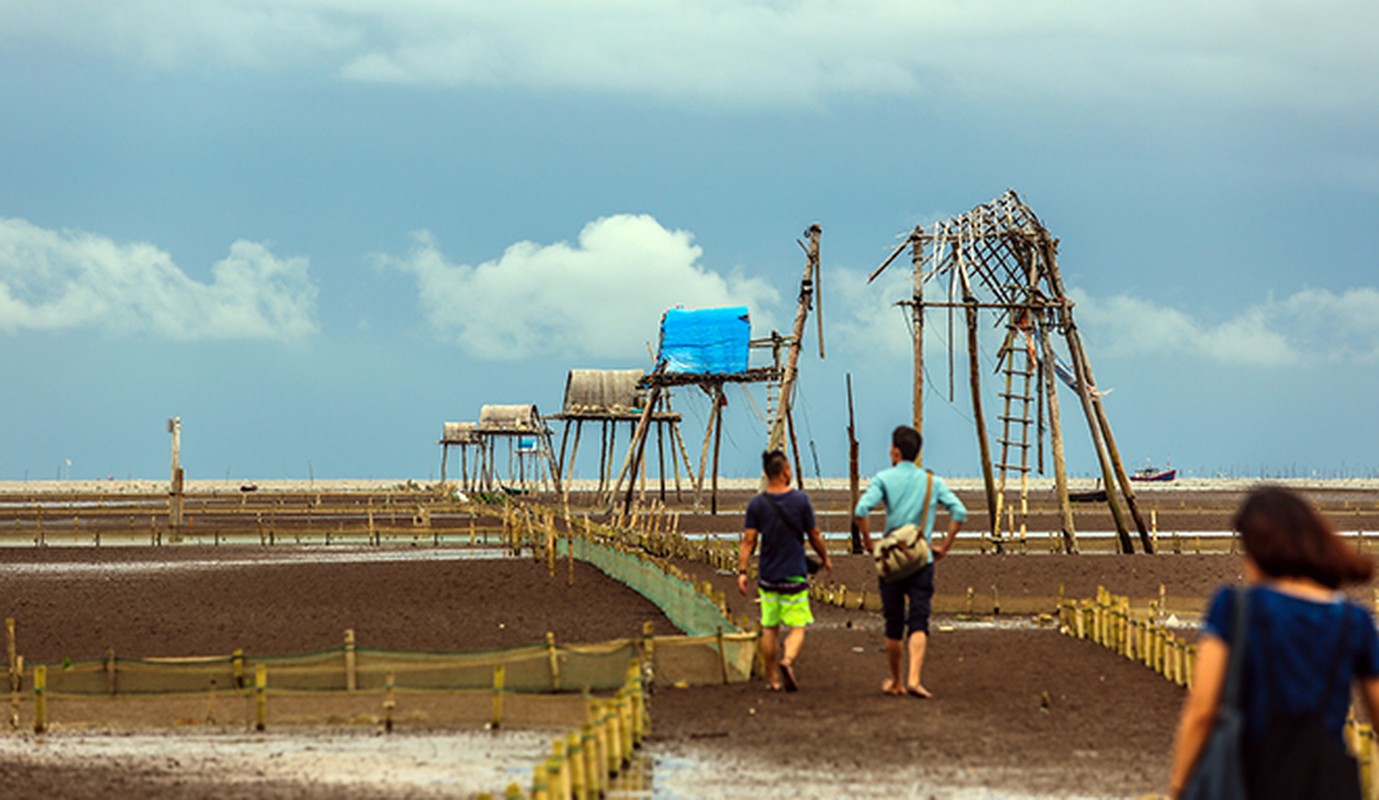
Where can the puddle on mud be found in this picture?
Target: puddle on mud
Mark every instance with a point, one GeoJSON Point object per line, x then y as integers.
{"type": "Point", "coordinates": [461, 763]}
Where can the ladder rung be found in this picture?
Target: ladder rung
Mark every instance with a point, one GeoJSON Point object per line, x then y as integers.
{"type": "Point", "coordinates": [1016, 467]}
{"type": "Point", "coordinates": [1026, 398]}
{"type": "Point", "coordinates": [1022, 420]}
{"type": "Point", "coordinates": [1010, 443]}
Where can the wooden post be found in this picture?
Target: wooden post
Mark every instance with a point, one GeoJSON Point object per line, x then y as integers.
{"type": "Point", "coordinates": [1060, 467]}
{"type": "Point", "coordinates": [854, 478]}
{"type": "Point", "coordinates": [499, 673]}
{"type": "Point", "coordinates": [237, 667]}
{"type": "Point", "coordinates": [40, 699]}
{"type": "Point", "coordinates": [351, 672]}
{"type": "Point", "coordinates": [553, 656]}
{"type": "Point", "coordinates": [111, 673]}
{"type": "Point", "coordinates": [974, 373]}
{"type": "Point", "coordinates": [389, 702]}
{"type": "Point", "coordinates": [15, 671]}
{"type": "Point", "coordinates": [776, 437]}
{"type": "Point", "coordinates": [717, 445]}
{"type": "Point", "coordinates": [917, 317]}
{"type": "Point", "coordinates": [261, 696]}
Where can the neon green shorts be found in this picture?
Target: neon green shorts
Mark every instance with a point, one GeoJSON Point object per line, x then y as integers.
{"type": "Point", "coordinates": [784, 609]}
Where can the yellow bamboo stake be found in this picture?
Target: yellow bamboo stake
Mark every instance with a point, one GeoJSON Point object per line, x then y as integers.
{"type": "Point", "coordinates": [574, 749]}
{"type": "Point", "coordinates": [261, 696]}
{"type": "Point", "coordinates": [499, 674]}
{"type": "Point", "coordinates": [554, 657]}
{"type": "Point", "coordinates": [560, 782]}
{"type": "Point", "coordinates": [593, 775]}
{"type": "Point", "coordinates": [351, 662]}
{"type": "Point", "coordinates": [40, 699]}
{"type": "Point", "coordinates": [389, 703]}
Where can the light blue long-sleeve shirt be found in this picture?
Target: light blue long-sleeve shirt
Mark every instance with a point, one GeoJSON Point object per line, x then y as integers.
{"type": "Point", "coordinates": [901, 487]}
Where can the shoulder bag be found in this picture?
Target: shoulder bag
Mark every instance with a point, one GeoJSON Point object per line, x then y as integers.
{"type": "Point", "coordinates": [1219, 773]}
{"type": "Point", "coordinates": [904, 551]}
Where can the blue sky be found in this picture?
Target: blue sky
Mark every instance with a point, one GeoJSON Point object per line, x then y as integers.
{"type": "Point", "coordinates": [316, 230]}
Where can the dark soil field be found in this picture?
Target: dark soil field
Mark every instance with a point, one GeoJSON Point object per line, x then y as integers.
{"type": "Point", "coordinates": [1019, 709]}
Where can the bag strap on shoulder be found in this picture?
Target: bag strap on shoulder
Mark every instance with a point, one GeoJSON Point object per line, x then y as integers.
{"type": "Point", "coordinates": [1230, 692]}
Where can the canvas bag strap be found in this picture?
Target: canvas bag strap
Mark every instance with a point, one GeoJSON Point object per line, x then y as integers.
{"type": "Point", "coordinates": [924, 507]}
{"type": "Point", "coordinates": [779, 513]}
{"type": "Point", "coordinates": [1230, 693]}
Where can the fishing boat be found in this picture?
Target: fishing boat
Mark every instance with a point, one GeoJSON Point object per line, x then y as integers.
{"type": "Point", "coordinates": [1159, 474]}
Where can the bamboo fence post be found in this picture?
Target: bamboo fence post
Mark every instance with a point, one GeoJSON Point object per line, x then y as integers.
{"type": "Point", "coordinates": [15, 671]}
{"type": "Point", "coordinates": [351, 662]}
{"type": "Point", "coordinates": [499, 674]}
{"type": "Point", "coordinates": [111, 673]}
{"type": "Point", "coordinates": [389, 702]}
{"type": "Point", "coordinates": [722, 656]}
{"type": "Point", "coordinates": [574, 750]}
{"type": "Point", "coordinates": [540, 783]}
{"type": "Point", "coordinates": [563, 785]}
{"type": "Point", "coordinates": [553, 656]}
{"type": "Point", "coordinates": [593, 775]}
{"type": "Point", "coordinates": [261, 696]}
{"type": "Point", "coordinates": [237, 667]}
{"type": "Point", "coordinates": [40, 699]}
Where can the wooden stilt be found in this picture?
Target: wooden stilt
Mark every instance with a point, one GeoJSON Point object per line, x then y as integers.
{"type": "Point", "coordinates": [974, 367]}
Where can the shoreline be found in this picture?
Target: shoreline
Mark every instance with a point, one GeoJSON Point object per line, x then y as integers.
{"type": "Point", "coordinates": [153, 486]}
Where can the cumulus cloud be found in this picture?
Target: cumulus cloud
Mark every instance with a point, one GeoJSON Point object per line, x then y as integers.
{"type": "Point", "coordinates": [57, 280]}
{"type": "Point", "coordinates": [758, 51]}
{"type": "Point", "coordinates": [601, 296]}
{"type": "Point", "coordinates": [1312, 325]}
{"type": "Point", "coordinates": [1309, 326]}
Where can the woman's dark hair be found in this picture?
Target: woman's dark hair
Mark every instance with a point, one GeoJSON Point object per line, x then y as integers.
{"type": "Point", "coordinates": [907, 440]}
{"type": "Point", "coordinates": [1288, 538]}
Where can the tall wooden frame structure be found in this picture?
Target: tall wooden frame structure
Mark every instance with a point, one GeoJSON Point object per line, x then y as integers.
{"type": "Point", "coordinates": [779, 377]}
{"type": "Point", "coordinates": [610, 399]}
{"type": "Point", "coordinates": [1000, 259]}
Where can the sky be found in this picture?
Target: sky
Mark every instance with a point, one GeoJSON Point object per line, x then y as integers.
{"type": "Point", "coordinates": [315, 230]}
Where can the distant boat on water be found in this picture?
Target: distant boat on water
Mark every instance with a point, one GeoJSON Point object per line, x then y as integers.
{"type": "Point", "coordinates": [1160, 474]}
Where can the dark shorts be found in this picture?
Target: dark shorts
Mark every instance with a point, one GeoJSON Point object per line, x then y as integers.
{"type": "Point", "coordinates": [916, 590]}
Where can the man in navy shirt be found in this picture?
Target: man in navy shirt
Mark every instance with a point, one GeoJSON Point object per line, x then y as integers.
{"type": "Point", "coordinates": [781, 517]}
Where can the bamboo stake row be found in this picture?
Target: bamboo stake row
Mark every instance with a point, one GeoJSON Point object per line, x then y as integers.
{"type": "Point", "coordinates": [1108, 620]}
{"type": "Point", "coordinates": [584, 762]}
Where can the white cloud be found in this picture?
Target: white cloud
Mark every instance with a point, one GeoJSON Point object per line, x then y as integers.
{"type": "Point", "coordinates": [1312, 325]}
{"type": "Point", "coordinates": [57, 280]}
{"type": "Point", "coordinates": [1298, 56]}
{"type": "Point", "coordinates": [600, 297]}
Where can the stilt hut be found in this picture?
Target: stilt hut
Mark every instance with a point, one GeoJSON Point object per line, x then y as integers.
{"type": "Point", "coordinates": [999, 260]}
{"type": "Point", "coordinates": [527, 438]}
{"type": "Point", "coordinates": [609, 399]}
{"type": "Point", "coordinates": [710, 348]}
{"type": "Point", "coordinates": [465, 437]}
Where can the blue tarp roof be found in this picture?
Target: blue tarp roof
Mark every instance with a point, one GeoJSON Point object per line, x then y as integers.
{"type": "Point", "coordinates": [705, 341]}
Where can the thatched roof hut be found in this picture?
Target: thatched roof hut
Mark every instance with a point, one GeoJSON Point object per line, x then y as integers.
{"type": "Point", "coordinates": [510, 419]}
{"type": "Point", "coordinates": [603, 393]}
{"type": "Point", "coordinates": [460, 433]}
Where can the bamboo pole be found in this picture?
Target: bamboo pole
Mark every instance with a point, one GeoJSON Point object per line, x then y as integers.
{"type": "Point", "coordinates": [979, 417]}
{"type": "Point", "coordinates": [776, 438]}
{"type": "Point", "coordinates": [351, 662]}
{"type": "Point", "coordinates": [1060, 467]}
{"type": "Point", "coordinates": [260, 697]}
{"type": "Point", "coordinates": [40, 699]}
{"type": "Point", "coordinates": [499, 673]}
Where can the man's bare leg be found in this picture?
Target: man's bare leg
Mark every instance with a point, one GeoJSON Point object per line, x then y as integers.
{"type": "Point", "coordinates": [770, 655]}
{"type": "Point", "coordinates": [895, 651]}
{"type": "Point", "coordinates": [794, 640]}
{"type": "Point", "coordinates": [919, 642]}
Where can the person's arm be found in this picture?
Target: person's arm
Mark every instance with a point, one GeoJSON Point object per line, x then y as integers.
{"type": "Point", "coordinates": [941, 550]}
{"type": "Point", "coordinates": [1369, 695]}
{"type": "Point", "coordinates": [744, 557]}
{"type": "Point", "coordinates": [816, 540]}
{"type": "Point", "coordinates": [957, 515]}
{"type": "Point", "coordinates": [861, 514]}
{"type": "Point", "coordinates": [1199, 709]}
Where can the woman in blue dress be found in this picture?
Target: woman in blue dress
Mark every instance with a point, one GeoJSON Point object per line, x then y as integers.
{"type": "Point", "coordinates": [1306, 646]}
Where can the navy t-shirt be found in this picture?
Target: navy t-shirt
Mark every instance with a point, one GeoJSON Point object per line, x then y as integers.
{"type": "Point", "coordinates": [1294, 654]}
{"type": "Point", "coordinates": [782, 540]}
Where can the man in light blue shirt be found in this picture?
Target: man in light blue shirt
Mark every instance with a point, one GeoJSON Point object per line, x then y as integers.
{"type": "Point", "coordinates": [902, 488]}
